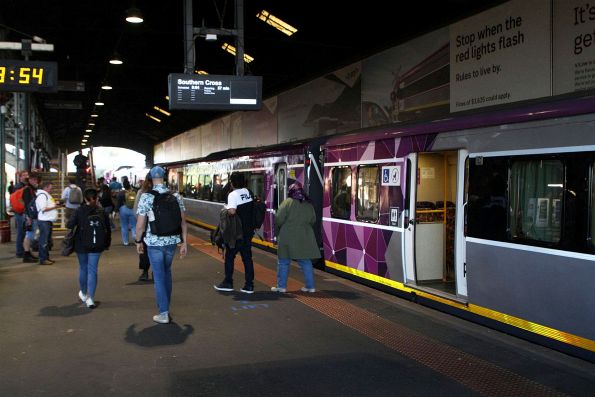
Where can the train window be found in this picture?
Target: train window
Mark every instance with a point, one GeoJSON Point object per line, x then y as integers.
{"type": "Point", "coordinates": [256, 185]}
{"type": "Point", "coordinates": [487, 202]}
{"type": "Point", "coordinates": [220, 188]}
{"type": "Point", "coordinates": [592, 206]}
{"type": "Point", "coordinates": [367, 193]}
{"type": "Point", "coordinates": [341, 192]}
{"type": "Point", "coordinates": [536, 192]}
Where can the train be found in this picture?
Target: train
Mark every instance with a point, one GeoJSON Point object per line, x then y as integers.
{"type": "Point", "coordinates": [488, 215]}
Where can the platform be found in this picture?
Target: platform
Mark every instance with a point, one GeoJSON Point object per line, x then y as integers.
{"type": "Point", "coordinates": [344, 340]}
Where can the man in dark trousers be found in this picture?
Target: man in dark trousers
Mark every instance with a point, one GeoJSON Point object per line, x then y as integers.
{"type": "Point", "coordinates": [239, 203]}
{"type": "Point", "coordinates": [81, 162]}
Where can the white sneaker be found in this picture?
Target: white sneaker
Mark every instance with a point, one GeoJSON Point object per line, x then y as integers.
{"type": "Point", "coordinates": [82, 297]}
{"type": "Point", "coordinates": [90, 304]}
{"type": "Point", "coordinates": [161, 318]}
{"type": "Point", "coordinates": [277, 289]}
{"type": "Point", "coordinates": [304, 289]}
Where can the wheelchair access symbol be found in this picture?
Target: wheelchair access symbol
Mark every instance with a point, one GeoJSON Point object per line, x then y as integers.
{"type": "Point", "coordinates": [391, 176]}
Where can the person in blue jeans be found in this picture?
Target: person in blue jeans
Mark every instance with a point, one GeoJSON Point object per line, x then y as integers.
{"type": "Point", "coordinates": [160, 249]}
{"type": "Point", "coordinates": [88, 258]}
{"type": "Point", "coordinates": [47, 213]}
{"type": "Point", "coordinates": [127, 216]}
{"type": "Point", "coordinates": [294, 223]}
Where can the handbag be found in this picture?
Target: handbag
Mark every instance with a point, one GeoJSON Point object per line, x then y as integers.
{"type": "Point", "coordinates": [68, 242]}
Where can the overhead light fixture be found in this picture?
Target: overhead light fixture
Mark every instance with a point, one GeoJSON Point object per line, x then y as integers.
{"type": "Point", "coordinates": [165, 112]}
{"type": "Point", "coordinates": [210, 37]}
{"type": "Point", "coordinates": [133, 15]}
{"type": "Point", "coordinates": [115, 59]}
{"type": "Point", "coordinates": [91, 124]}
{"type": "Point", "coordinates": [167, 97]}
{"type": "Point", "coordinates": [94, 115]}
{"type": "Point", "coordinates": [83, 143]}
{"type": "Point", "coordinates": [99, 103]}
{"type": "Point", "coordinates": [86, 136]}
{"type": "Point", "coordinates": [152, 117]}
{"type": "Point", "coordinates": [84, 140]}
{"type": "Point", "coordinates": [200, 72]}
{"type": "Point", "coordinates": [106, 86]}
{"type": "Point", "coordinates": [88, 130]}
{"type": "Point", "coordinates": [276, 22]}
{"type": "Point", "coordinates": [232, 50]}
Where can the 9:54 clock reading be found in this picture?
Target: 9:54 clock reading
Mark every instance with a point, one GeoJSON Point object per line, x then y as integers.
{"type": "Point", "coordinates": [25, 76]}
{"type": "Point", "coordinates": [28, 75]}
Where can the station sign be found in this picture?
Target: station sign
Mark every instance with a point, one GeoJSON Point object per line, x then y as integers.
{"type": "Point", "coordinates": [214, 92]}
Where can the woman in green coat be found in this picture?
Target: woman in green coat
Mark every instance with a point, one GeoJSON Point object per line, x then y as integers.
{"type": "Point", "coordinates": [296, 241]}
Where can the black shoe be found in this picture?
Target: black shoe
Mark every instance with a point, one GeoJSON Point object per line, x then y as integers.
{"type": "Point", "coordinates": [144, 276]}
{"type": "Point", "coordinates": [28, 258]}
{"type": "Point", "coordinates": [247, 289]}
{"type": "Point", "coordinates": [224, 286]}
{"type": "Point", "coordinates": [34, 257]}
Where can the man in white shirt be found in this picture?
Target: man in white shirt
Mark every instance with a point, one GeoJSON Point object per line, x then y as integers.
{"type": "Point", "coordinates": [72, 191]}
{"type": "Point", "coordinates": [240, 203]}
{"type": "Point", "coordinates": [47, 212]}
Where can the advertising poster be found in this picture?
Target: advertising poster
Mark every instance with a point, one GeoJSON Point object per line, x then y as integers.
{"type": "Point", "coordinates": [407, 82]}
{"type": "Point", "coordinates": [574, 46]}
{"type": "Point", "coordinates": [327, 105]}
{"type": "Point", "coordinates": [214, 137]}
{"type": "Point", "coordinates": [191, 144]}
{"type": "Point", "coordinates": [261, 126]}
{"type": "Point", "coordinates": [501, 55]}
{"type": "Point", "coordinates": [158, 153]}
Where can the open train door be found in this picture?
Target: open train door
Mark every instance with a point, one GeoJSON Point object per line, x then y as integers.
{"type": "Point", "coordinates": [434, 246]}
{"type": "Point", "coordinates": [460, 247]}
{"type": "Point", "coordinates": [409, 221]}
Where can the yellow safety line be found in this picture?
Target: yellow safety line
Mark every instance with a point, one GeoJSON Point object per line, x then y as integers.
{"type": "Point", "coordinates": [526, 325]}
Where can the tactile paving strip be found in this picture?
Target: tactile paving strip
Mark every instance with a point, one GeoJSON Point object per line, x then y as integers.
{"type": "Point", "coordinates": [475, 373]}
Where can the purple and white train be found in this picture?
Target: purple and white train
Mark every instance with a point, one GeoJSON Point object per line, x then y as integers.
{"type": "Point", "coordinates": [487, 216]}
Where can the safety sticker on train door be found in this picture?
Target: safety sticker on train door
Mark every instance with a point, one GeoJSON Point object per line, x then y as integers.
{"type": "Point", "coordinates": [391, 176]}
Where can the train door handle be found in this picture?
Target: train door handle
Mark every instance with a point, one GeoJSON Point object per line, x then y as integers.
{"type": "Point", "coordinates": [412, 222]}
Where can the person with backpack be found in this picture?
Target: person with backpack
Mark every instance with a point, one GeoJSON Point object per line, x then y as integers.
{"type": "Point", "coordinates": [72, 196]}
{"type": "Point", "coordinates": [18, 208]}
{"type": "Point", "coordinates": [30, 219]}
{"type": "Point", "coordinates": [240, 204]}
{"type": "Point", "coordinates": [164, 211]}
{"type": "Point", "coordinates": [125, 204]}
{"type": "Point", "coordinates": [105, 199]}
{"type": "Point", "coordinates": [92, 236]}
{"type": "Point", "coordinates": [143, 259]}
{"type": "Point", "coordinates": [47, 213]}
{"type": "Point", "coordinates": [294, 223]}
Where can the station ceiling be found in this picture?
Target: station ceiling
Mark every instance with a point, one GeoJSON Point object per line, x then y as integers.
{"type": "Point", "coordinates": [331, 34]}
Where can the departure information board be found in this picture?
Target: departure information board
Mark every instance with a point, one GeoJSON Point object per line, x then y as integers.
{"type": "Point", "coordinates": [214, 92]}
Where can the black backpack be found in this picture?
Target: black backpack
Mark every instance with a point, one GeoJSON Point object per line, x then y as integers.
{"type": "Point", "coordinates": [168, 217]}
{"type": "Point", "coordinates": [31, 209]}
{"type": "Point", "coordinates": [94, 231]}
{"type": "Point", "coordinates": [217, 239]}
{"type": "Point", "coordinates": [259, 210]}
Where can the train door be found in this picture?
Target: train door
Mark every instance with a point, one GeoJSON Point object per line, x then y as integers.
{"type": "Point", "coordinates": [280, 184]}
{"type": "Point", "coordinates": [409, 218]}
{"type": "Point", "coordinates": [430, 238]}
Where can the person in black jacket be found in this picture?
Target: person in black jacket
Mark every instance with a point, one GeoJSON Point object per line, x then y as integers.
{"type": "Point", "coordinates": [88, 249]}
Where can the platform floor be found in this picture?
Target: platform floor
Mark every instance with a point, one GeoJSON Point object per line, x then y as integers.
{"type": "Point", "coordinates": [345, 340]}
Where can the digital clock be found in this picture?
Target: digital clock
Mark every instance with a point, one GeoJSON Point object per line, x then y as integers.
{"type": "Point", "coordinates": [28, 75]}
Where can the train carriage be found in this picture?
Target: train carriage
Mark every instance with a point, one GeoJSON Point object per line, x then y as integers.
{"type": "Point", "coordinates": [488, 216]}
{"type": "Point", "coordinates": [268, 173]}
